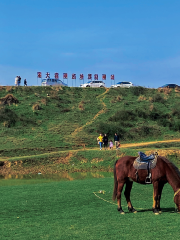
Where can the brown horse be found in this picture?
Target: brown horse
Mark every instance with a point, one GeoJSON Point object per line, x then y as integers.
{"type": "Point", "coordinates": [125, 173]}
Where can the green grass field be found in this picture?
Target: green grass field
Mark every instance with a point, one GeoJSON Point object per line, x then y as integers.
{"type": "Point", "coordinates": [46, 209]}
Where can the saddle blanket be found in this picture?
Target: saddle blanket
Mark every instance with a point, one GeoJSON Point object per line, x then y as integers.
{"type": "Point", "coordinates": [142, 161]}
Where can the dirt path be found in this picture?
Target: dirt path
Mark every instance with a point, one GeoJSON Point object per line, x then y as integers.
{"type": "Point", "coordinates": [126, 145]}
{"type": "Point", "coordinates": [101, 96]}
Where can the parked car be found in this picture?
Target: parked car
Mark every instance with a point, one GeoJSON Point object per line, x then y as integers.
{"type": "Point", "coordinates": [93, 84]}
{"type": "Point", "coordinates": [171, 85]}
{"type": "Point", "coordinates": [52, 82]}
{"type": "Point", "coordinates": [122, 84]}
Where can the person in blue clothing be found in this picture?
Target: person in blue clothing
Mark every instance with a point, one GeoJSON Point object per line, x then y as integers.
{"type": "Point", "coordinates": [116, 140]}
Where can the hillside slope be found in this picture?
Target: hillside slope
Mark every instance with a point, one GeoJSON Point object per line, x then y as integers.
{"type": "Point", "coordinates": [45, 119]}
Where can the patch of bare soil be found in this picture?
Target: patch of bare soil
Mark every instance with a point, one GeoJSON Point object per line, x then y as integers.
{"type": "Point", "coordinates": [66, 159]}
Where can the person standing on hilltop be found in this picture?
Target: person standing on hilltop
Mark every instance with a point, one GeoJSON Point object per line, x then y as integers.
{"type": "Point", "coordinates": [100, 141]}
{"type": "Point", "coordinates": [19, 81]}
{"type": "Point", "coordinates": [116, 140]}
{"type": "Point", "coordinates": [16, 80]}
{"type": "Point", "coordinates": [25, 82]}
{"type": "Point", "coordinates": [105, 141]}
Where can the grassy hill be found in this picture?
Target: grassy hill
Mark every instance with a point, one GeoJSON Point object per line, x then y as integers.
{"type": "Point", "coordinates": [44, 120]}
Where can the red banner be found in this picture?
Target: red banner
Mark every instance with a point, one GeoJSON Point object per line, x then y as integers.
{"type": "Point", "coordinates": [65, 75]}
{"type": "Point", "coordinates": [103, 76]}
{"type": "Point", "coordinates": [95, 76]}
{"type": "Point", "coordinates": [47, 75]}
{"type": "Point", "coordinates": [73, 76]}
{"type": "Point", "coordinates": [112, 77]}
{"type": "Point", "coordinates": [81, 77]}
{"type": "Point", "coordinates": [39, 74]}
{"type": "Point", "coordinates": [56, 75]}
{"type": "Point", "coordinates": [90, 76]}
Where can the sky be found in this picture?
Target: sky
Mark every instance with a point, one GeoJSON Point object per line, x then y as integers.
{"type": "Point", "coordinates": [137, 41]}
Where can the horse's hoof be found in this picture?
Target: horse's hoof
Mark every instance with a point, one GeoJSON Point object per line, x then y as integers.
{"type": "Point", "coordinates": [133, 210]}
{"type": "Point", "coordinates": [121, 211]}
{"type": "Point", "coordinates": [156, 211]}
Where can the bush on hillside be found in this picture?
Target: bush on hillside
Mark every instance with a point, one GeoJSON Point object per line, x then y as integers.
{"type": "Point", "coordinates": [110, 129]}
{"type": "Point", "coordinates": [137, 91]}
{"type": "Point", "coordinates": [7, 116]}
{"type": "Point", "coordinates": [175, 126]}
{"type": "Point", "coordinates": [123, 115]}
{"type": "Point", "coordinates": [158, 98]}
{"type": "Point", "coordinates": [176, 110]}
{"type": "Point", "coordinates": [141, 113]}
{"type": "Point", "coordinates": [144, 131]}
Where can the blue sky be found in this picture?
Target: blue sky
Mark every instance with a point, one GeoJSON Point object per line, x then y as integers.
{"type": "Point", "coordinates": [138, 41]}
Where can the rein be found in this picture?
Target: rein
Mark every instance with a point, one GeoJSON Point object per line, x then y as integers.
{"type": "Point", "coordinates": [176, 192]}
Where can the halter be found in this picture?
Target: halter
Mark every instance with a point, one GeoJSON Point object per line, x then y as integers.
{"type": "Point", "coordinates": [176, 192]}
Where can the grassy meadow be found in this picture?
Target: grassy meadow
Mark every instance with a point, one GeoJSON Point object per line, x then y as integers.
{"type": "Point", "coordinates": [70, 210]}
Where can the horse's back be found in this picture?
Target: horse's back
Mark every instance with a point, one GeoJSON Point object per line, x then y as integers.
{"type": "Point", "coordinates": [124, 165]}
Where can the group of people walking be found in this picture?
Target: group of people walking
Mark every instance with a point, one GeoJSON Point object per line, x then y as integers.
{"type": "Point", "coordinates": [18, 81]}
{"type": "Point", "coordinates": [103, 140]}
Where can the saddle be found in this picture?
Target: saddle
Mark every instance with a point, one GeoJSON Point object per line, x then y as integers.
{"type": "Point", "coordinates": [146, 163]}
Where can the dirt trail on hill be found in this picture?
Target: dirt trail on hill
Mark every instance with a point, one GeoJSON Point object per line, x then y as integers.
{"type": "Point", "coordinates": [126, 145]}
{"type": "Point", "coordinates": [79, 129]}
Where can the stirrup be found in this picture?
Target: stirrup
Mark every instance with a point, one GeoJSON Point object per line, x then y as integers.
{"type": "Point", "coordinates": [148, 179]}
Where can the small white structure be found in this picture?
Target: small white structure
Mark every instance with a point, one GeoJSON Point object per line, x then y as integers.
{"type": "Point", "coordinates": [52, 82]}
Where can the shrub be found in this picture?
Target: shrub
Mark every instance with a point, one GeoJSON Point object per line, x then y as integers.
{"type": "Point", "coordinates": [164, 122]}
{"type": "Point", "coordinates": [138, 90]}
{"type": "Point", "coordinates": [7, 116]}
{"type": "Point", "coordinates": [158, 98]}
{"type": "Point", "coordinates": [111, 129]}
{"type": "Point", "coordinates": [176, 110]}
{"type": "Point", "coordinates": [123, 115]}
{"type": "Point", "coordinates": [141, 113]}
{"type": "Point", "coordinates": [144, 131]}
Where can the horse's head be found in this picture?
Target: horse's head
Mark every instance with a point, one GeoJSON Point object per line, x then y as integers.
{"type": "Point", "coordinates": [177, 199]}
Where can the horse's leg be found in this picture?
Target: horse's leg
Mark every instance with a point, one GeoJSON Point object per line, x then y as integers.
{"type": "Point", "coordinates": [156, 197]}
{"type": "Point", "coordinates": [161, 185]}
{"type": "Point", "coordinates": [127, 196]}
{"type": "Point", "coordinates": [119, 191]}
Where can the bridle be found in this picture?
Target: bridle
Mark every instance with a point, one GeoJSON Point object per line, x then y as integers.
{"type": "Point", "coordinates": [176, 192]}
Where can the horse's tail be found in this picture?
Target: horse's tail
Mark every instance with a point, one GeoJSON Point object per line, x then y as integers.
{"type": "Point", "coordinates": [115, 183]}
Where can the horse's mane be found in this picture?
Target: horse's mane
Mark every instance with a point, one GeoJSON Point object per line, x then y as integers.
{"type": "Point", "coordinates": [171, 165]}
